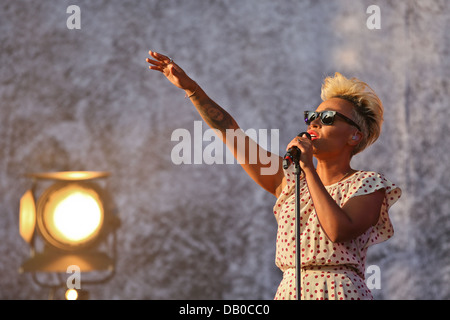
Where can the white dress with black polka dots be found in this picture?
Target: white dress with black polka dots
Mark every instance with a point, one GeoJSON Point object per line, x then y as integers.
{"type": "Point", "coordinates": [329, 270]}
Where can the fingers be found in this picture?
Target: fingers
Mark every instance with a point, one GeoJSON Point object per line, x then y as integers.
{"type": "Point", "coordinates": [159, 62]}
{"type": "Point", "coordinates": [155, 62]}
{"type": "Point", "coordinates": [300, 142]}
{"type": "Point", "coordinates": [305, 135]}
{"type": "Point", "coordinates": [306, 148]}
{"type": "Point", "coordinates": [157, 68]}
{"type": "Point", "coordinates": [156, 55]}
{"type": "Point", "coordinates": [162, 59]}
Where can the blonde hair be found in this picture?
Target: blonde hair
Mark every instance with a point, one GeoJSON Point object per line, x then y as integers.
{"type": "Point", "coordinates": [367, 111]}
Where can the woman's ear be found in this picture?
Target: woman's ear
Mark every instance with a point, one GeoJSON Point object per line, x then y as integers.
{"type": "Point", "coordinates": [355, 138]}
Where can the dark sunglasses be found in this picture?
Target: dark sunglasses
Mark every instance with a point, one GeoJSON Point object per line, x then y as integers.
{"type": "Point", "coordinates": [327, 118]}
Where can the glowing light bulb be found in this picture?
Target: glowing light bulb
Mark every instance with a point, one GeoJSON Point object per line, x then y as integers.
{"type": "Point", "coordinates": [77, 216]}
{"type": "Point", "coordinates": [71, 294]}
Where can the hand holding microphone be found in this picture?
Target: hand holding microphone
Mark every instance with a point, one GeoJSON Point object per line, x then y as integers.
{"type": "Point", "coordinates": [293, 154]}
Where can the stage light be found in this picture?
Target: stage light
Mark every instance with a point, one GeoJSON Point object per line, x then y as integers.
{"type": "Point", "coordinates": [71, 294]}
{"type": "Point", "coordinates": [73, 222]}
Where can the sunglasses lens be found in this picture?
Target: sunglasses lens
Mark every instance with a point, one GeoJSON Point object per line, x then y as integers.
{"type": "Point", "coordinates": [327, 117]}
{"type": "Point", "coordinates": [309, 116]}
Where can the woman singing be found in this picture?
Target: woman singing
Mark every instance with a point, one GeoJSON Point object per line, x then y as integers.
{"type": "Point", "coordinates": [343, 210]}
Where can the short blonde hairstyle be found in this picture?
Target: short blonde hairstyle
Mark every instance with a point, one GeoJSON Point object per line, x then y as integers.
{"type": "Point", "coordinates": [367, 111]}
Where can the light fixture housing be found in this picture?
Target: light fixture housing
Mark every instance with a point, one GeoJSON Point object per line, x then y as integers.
{"type": "Point", "coordinates": [76, 221]}
{"type": "Point", "coordinates": [27, 218]}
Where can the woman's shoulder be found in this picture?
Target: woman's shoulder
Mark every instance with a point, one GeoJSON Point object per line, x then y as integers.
{"type": "Point", "coordinates": [372, 180]}
{"type": "Point", "coordinates": [369, 176]}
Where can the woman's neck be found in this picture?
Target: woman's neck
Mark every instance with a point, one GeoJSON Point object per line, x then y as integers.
{"type": "Point", "coordinates": [332, 171]}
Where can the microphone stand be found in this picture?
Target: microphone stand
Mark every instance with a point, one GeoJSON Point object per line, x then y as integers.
{"type": "Point", "coordinates": [293, 156]}
{"type": "Point", "coordinates": [298, 252]}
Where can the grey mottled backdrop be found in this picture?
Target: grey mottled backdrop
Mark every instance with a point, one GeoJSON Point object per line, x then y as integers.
{"type": "Point", "coordinates": [85, 100]}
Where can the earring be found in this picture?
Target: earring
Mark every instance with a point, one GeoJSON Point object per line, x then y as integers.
{"type": "Point", "coordinates": [355, 137]}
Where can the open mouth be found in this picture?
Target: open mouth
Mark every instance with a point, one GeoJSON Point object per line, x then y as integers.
{"type": "Point", "coordinates": [314, 135]}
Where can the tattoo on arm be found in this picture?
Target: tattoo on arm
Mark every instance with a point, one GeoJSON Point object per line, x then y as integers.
{"type": "Point", "coordinates": [215, 116]}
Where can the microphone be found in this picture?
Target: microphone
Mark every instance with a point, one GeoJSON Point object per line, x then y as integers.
{"type": "Point", "coordinates": [293, 154]}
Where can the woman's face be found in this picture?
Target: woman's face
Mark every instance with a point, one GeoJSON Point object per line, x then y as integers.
{"type": "Point", "coordinates": [332, 140]}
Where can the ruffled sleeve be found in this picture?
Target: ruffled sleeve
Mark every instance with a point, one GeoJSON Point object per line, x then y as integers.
{"type": "Point", "coordinates": [367, 183]}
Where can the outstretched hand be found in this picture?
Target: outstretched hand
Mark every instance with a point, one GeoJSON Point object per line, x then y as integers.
{"type": "Point", "coordinates": [171, 70]}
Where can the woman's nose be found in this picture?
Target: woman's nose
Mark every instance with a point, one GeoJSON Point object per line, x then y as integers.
{"type": "Point", "coordinates": [315, 123]}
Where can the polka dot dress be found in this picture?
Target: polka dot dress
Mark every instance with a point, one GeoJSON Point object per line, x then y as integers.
{"type": "Point", "coordinates": [329, 270]}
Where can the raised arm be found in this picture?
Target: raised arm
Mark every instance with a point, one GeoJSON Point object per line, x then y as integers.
{"type": "Point", "coordinates": [221, 121]}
